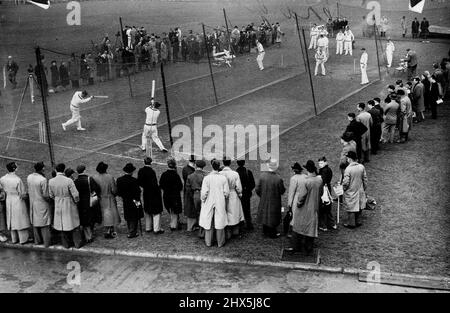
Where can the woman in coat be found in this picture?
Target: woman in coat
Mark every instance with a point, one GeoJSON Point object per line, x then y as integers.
{"type": "Point", "coordinates": [107, 200]}
{"type": "Point", "coordinates": [86, 186]}
{"type": "Point", "coordinates": [17, 217]}
{"type": "Point", "coordinates": [171, 185]}
{"type": "Point", "coordinates": [306, 218]}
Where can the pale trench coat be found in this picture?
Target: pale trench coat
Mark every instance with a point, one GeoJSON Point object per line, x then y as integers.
{"type": "Point", "coordinates": [365, 118]}
{"type": "Point", "coordinates": [235, 214]}
{"type": "Point", "coordinates": [354, 185]}
{"type": "Point", "coordinates": [306, 216]}
{"type": "Point", "coordinates": [40, 215]}
{"type": "Point", "coordinates": [214, 192]}
{"type": "Point", "coordinates": [295, 184]}
{"type": "Point", "coordinates": [63, 190]}
{"type": "Point", "coordinates": [17, 217]}
{"type": "Point", "coordinates": [107, 199]}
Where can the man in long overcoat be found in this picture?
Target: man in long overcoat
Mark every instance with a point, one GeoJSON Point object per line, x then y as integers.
{"type": "Point", "coordinates": [17, 218]}
{"type": "Point", "coordinates": [187, 170]}
{"type": "Point", "coordinates": [66, 219]}
{"type": "Point", "coordinates": [248, 184]}
{"type": "Point", "coordinates": [152, 197]}
{"type": "Point", "coordinates": [213, 214]}
{"type": "Point", "coordinates": [171, 185]}
{"type": "Point", "coordinates": [40, 214]}
{"type": "Point", "coordinates": [86, 186]}
{"type": "Point", "coordinates": [366, 119]}
{"type": "Point", "coordinates": [235, 215]}
{"type": "Point", "coordinates": [130, 192]}
{"type": "Point", "coordinates": [306, 218]}
{"type": "Point", "coordinates": [418, 99]}
{"type": "Point", "coordinates": [297, 180]}
{"type": "Point", "coordinates": [354, 185]}
{"type": "Point", "coordinates": [270, 188]}
{"type": "Point", "coordinates": [357, 129]}
{"type": "Point", "coordinates": [193, 187]}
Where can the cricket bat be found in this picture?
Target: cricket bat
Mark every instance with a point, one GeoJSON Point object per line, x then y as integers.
{"type": "Point", "coordinates": [153, 89]}
{"type": "Point", "coordinates": [4, 77]}
{"type": "Point", "coordinates": [102, 97]}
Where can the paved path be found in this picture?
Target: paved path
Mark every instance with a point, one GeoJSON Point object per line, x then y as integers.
{"type": "Point", "coordinates": [36, 271]}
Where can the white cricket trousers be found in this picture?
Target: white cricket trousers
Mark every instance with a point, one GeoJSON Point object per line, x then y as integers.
{"type": "Point", "coordinates": [151, 131]}
{"type": "Point", "coordinates": [152, 222]}
{"type": "Point", "coordinates": [364, 78]}
{"type": "Point", "coordinates": [313, 42]}
{"type": "Point", "coordinates": [76, 117]}
{"type": "Point", "coordinates": [389, 57]}
{"type": "Point", "coordinates": [348, 47]}
{"type": "Point", "coordinates": [339, 47]}
{"type": "Point", "coordinates": [259, 60]}
{"type": "Point", "coordinates": [322, 64]}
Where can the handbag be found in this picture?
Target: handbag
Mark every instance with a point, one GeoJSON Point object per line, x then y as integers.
{"type": "Point", "coordinates": [93, 198]}
{"type": "Point", "coordinates": [326, 196]}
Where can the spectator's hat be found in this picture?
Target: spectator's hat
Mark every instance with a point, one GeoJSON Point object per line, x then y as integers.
{"type": "Point", "coordinates": [200, 163]}
{"type": "Point", "coordinates": [310, 166]}
{"type": "Point", "coordinates": [273, 165]}
{"type": "Point", "coordinates": [297, 166]}
{"type": "Point", "coordinates": [129, 168]}
{"type": "Point", "coordinates": [192, 158]}
{"type": "Point", "coordinates": [351, 155]}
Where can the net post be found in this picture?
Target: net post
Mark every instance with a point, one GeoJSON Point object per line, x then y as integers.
{"type": "Point", "coordinates": [45, 107]}
{"type": "Point", "coordinates": [209, 63]}
{"type": "Point", "coordinates": [301, 45]}
{"type": "Point", "coordinates": [163, 78]}
{"type": "Point", "coordinates": [309, 74]}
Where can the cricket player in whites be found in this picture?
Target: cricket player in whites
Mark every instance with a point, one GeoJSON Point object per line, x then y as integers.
{"type": "Point", "coordinates": [320, 57]}
{"type": "Point", "coordinates": [340, 42]}
{"type": "Point", "coordinates": [150, 127]}
{"type": "Point", "coordinates": [348, 40]}
{"type": "Point", "coordinates": [261, 53]}
{"type": "Point", "coordinates": [78, 98]}
{"type": "Point", "coordinates": [314, 34]}
{"type": "Point", "coordinates": [363, 62]}
{"type": "Point", "coordinates": [390, 48]}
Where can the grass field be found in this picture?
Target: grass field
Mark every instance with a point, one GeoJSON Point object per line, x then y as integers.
{"type": "Point", "coordinates": [399, 237]}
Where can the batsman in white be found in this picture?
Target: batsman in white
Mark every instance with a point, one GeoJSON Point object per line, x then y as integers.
{"type": "Point", "coordinates": [150, 127]}
{"type": "Point", "coordinates": [78, 98]}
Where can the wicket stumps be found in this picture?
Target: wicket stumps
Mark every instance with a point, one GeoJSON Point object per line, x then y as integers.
{"type": "Point", "coordinates": [42, 132]}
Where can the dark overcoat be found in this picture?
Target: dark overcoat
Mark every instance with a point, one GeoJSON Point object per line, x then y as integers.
{"type": "Point", "coordinates": [171, 184]}
{"type": "Point", "coordinates": [128, 189]}
{"type": "Point", "coordinates": [270, 188]}
{"type": "Point", "coordinates": [85, 186]}
{"type": "Point", "coordinates": [152, 194]}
